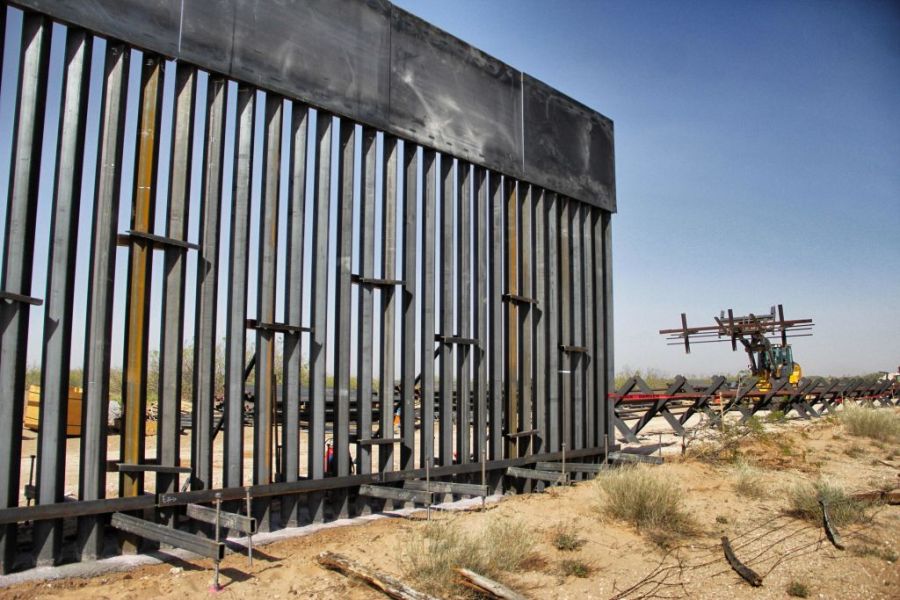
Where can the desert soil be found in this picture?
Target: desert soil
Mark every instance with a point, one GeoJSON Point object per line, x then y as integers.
{"type": "Point", "coordinates": [780, 547]}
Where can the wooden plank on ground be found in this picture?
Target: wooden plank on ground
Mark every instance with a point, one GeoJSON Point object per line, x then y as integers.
{"type": "Point", "coordinates": [383, 582]}
{"type": "Point", "coordinates": [627, 457]}
{"type": "Point", "coordinates": [488, 587]}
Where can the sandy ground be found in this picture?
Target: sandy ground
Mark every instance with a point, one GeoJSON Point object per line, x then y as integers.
{"type": "Point", "coordinates": [781, 548]}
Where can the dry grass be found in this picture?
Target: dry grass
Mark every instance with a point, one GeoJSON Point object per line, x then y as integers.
{"type": "Point", "coordinates": [434, 552]}
{"type": "Point", "coordinates": [646, 500]}
{"type": "Point", "coordinates": [878, 424]}
{"type": "Point", "coordinates": [842, 509]}
{"type": "Point", "coordinates": [749, 481]}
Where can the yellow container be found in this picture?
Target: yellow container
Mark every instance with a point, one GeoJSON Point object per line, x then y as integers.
{"type": "Point", "coordinates": [33, 410]}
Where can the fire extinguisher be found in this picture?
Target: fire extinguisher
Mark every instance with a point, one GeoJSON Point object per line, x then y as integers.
{"type": "Point", "coordinates": [329, 458]}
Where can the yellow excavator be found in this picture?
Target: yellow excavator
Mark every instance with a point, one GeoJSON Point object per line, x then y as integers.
{"type": "Point", "coordinates": [768, 361]}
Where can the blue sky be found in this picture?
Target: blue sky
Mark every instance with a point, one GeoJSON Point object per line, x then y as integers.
{"type": "Point", "coordinates": [757, 161]}
{"type": "Point", "coordinates": [757, 157]}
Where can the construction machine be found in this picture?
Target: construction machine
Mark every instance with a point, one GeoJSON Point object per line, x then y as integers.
{"type": "Point", "coordinates": [764, 337]}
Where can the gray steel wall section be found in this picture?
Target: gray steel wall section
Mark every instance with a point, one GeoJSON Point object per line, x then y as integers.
{"type": "Point", "coordinates": [377, 64]}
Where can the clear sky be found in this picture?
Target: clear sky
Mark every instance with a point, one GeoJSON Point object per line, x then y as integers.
{"type": "Point", "coordinates": [757, 158]}
{"type": "Point", "coordinates": [757, 161]}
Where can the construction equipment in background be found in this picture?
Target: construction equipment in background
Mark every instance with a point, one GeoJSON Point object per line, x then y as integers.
{"type": "Point", "coordinates": [768, 361]}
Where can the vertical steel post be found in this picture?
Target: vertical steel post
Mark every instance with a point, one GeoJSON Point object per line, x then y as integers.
{"type": "Point", "coordinates": [293, 307]}
{"type": "Point", "coordinates": [366, 300]}
{"type": "Point", "coordinates": [172, 338]}
{"type": "Point", "coordinates": [408, 307]}
{"type": "Point", "coordinates": [264, 405]}
{"type": "Point", "coordinates": [386, 377]}
{"type": "Point", "coordinates": [512, 317]}
{"type": "Point", "coordinates": [576, 335]}
{"type": "Point", "coordinates": [426, 349]}
{"type": "Point", "coordinates": [526, 313]}
{"type": "Point", "coordinates": [445, 227]}
{"type": "Point", "coordinates": [238, 263]}
{"type": "Point", "coordinates": [541, 318]}
{"type": "Point", "coordinates": [565, 316]}
{"type": "Point", "coordinates": [95, 398]}
{"type": "Point", "coordinates": [51, 451]}
{"type": "Point", "coordinates": [463, 351]}
{"type": "Point", "coordinates": [342, 302]}
{"type": "Point", "coordinates": [554, 426]}
{"type": "Point", "coordinates": [319, 308]}
{"type": "Point", "coordinates": [205, 342]}
{"type": "Point", "coordinates": [495, 314]}
{"type": "Point", "coordinates": [608, 315]}
{"type": "Point", "coordinates": [480, 320]}
{"type": "Point", "coordinates": [589, 361]}
{"type": "Point", "coordinates": [140, 261]}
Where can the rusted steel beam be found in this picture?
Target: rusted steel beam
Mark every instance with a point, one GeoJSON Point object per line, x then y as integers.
{"type": "Point", "coordinates": [139, 270]}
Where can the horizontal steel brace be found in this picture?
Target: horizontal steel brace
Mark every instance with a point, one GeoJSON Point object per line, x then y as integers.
{"type": "Point", "coordinates": [127, 468]}
{"type": "Point", "coordinates": [550, 476]}
{"type": "Point", "coordinates": [333, 483]}
{"type": "Point", "coordinates": [165, 535]}
{"type": "Point", "coordinates": [377, 441]}
{"type": "Point", "coordinates": [280, 327]}
{"type": "Point", "coordinates": [392, 493]}
{"type": "Point", "coordinates": [78, 508]}
{"type": "Point", "coordinates": [13, 297]}
{"type": "Point", "coordinates": [228, 520]}
{"type": "Point", "coordinates": [571, 467]}
{"type": "Point", "coordinates": [453, 339]}
{"type": "Point", "coordinates": [521, 434]}
{"type": "Point", "coordinates": [374, 281]}
{"type": "Point", "coordinates": [447, 487]}
{"type": "Point", "coordinates": [573, 349]}
{"type": "Point", "coordinates": [157, 241]}
{"type": "Point", "coordinates": [520, 299]}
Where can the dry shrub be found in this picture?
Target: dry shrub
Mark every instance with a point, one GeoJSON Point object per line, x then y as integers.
{"type": "Point", "coordinates": [797, 589]}
{"type": "Point", "coordinates": [645, 499]}
{"type": "Point", "coordinates": [565, 537]}
{"type": "Point", "coordinates": [435, 551]}
{"type": "Point", "coordinates": [842, 509]}
{"type": "Point", "coordinates": [749, 481]}
{"type": "Point", "coordinates": [575, 568]}
{"type": "Point", "coordinates": [877, 424]}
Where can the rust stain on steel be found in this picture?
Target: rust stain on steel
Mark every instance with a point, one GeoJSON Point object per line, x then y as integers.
{"type": "Point", "coordinates": [139, 276]}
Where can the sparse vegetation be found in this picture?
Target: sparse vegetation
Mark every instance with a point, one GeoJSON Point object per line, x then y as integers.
{"type": "Point", "coordinates": [842, 509]}
{"type": "Point", "coordinates": [749, 481]}
{"type": "Point", "coordinates": [565, 538]}
{"type": "Point", "coordinates": [575, 568]}
{"type": "Point", "coordinates": [867, 550]}
{"type": "Point", "coordinates": [879, 425]}
{"type": "Point", "coordinates": [797, 589]}
{"type": "Point", "coordinates": [439, 547]}
{"type": "Point", "coordinates": [721, 519]}
{"type": "Point", "coordinates": [644, 499]}
{"type": "Point", "coordinates": [855, 451]}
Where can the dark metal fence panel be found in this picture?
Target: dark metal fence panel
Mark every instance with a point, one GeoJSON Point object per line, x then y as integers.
{"type": "Point", "coordinates": [503, 345]}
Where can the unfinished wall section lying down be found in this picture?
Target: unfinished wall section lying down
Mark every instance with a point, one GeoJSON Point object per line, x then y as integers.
{"type": "Point", "coordinates": [324, 244]}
